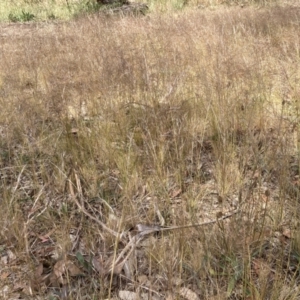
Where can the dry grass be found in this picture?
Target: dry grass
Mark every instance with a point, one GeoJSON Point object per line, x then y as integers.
{"type": "Point", "coordinates": [41, 10]}
{"type": "Point", "coordinates": [168, 119]}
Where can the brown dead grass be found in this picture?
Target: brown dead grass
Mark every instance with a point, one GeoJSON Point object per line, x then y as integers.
{"type": "Point", "coordinates": [166, 119]}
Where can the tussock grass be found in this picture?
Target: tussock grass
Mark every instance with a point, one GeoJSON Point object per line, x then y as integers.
{"type": "Point", "coordinates": [167, 119]}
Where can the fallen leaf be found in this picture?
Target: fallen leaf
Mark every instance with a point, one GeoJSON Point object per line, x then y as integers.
{"type": "Point", "coordinates": [113, 222]}
{"type": "Point", "coordinates": [52, 281]}
{"type": "Point", "coordinates": [46, 251]}
{"type": "Point", "coordinates": [15, 296]}
{"type": "Point", "coordinates": [287, 233]}
{"type": "Point", "coordinates": [98, 265]}
{"type": "Point", "coordinates": [219, 214]}
{"type": "Point", "coordinates": [37, 277]}
{"type": "Point", "coordinates": [261, 267]}
{"type": "Point", "coordinates": [127, 295]}
{"type": "Point", "coordinates": [256, 175]}
{"type": "Point", "coordinates": [73, 269]}
{"type": "Point", "coordinates": [117, 269]}
{"type": "Point", "coordinates": [20, 286]}
{"type": "Point", "coordinates": [11, 255]}
{"type": "Point", "coordinates": [176, 193]}
{"type": "Point", "coordinates": [8, 258]}
{"type": "Point", "coordinates": [39, 270]}
{"type": "Point", "coordinates": [188, 294]}
{"type": "Point", "coordinates": [142, 279]}
{"type": "Point", "coordinates": [4, 260]}
{"type": "Point", "coordinates": [177, 281]}
{"type": "Point", "coordinates": [4, 275]}
{"type": "Point", "coordinates": [4, 291]}
{"type": "Point", "coordinates": [110, 266]}
{"type": "Point", "coordinates": [170, 296]}
{"type": "Point", "coordinates": [59, 269]}
{"type": "Point", "coordinates": [45, 238]}
{"type": "Point", "coordinates": [74, 130]}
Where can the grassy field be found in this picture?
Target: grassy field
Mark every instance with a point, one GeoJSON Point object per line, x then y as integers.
{"type": "Point", "coordinates": [119, 132]}
{"type": "Point", "coordinates": [41, 10]}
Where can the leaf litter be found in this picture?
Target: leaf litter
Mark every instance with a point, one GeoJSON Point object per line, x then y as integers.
{"type": "Point", "coordinates": [62, 270]}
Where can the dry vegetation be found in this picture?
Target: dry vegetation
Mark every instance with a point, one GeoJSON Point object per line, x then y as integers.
{"type": "Point", "coordinates": [108, 124]}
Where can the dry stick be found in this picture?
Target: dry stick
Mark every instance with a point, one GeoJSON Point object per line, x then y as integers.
{"type": "Point", "coordinates": [146, 230]}
{"type": "Point", "coordinates": [198, 224]}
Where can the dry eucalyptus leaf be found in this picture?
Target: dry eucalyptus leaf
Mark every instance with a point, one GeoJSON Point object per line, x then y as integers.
{"type": "Point", "coordinates": [45, 238]}
{"type": "Point", "coordinates": [8, 258]}
{"type": "Point", "coordinates": [142, 279]}
{"type": "Point", "coordinates": [4, 291]}
{"type": "Point", "coordinates": [98, 265]}
{"type": "Point", "coordinates": [73, 269]}
{"type": "Point", "coordinates": [176, 193]}
{"type": "Point", "coordinates": [113, 222]}
{"type": "Point", "coordinates": [20, 286]}
{"type": "Point", "coordinates": [177, 281]}
{"type": "Point", "coordinates": [4, 260]}
{"type": "Point", "coordinates": [15, 296]}
{"type": "Point", "coordinates": [37, 277]}
{"type": "Point", "coordinates": [74, 130]}
{"type": "Point", "coordinates": [261, 267]}
{"type": "Point", "coordinates": [170, 296]}
{"type": "Point", "coordinates": [4, 275]}
{"type": "Point", "coordinates": [219, 215]}
{"type": "Point", "coordinates": [11, 256]}
{"type": "Point", "coordinates": [59, 269]}
{"type": "Point", "coordinates": [287, 233]}
{"type": "Point", "coordinates": [63, 266]}
{"type": "Point", "coordinates": [220, 199]}
{"type": "Point", "coordinates": [39, 271]}
{"type": "Point", "coordinates": [148, 242]}
{"type": "Point", "coordinates": [188, 294]}
{"type": "Point", "coordinates": [55, 254]}
{"type": "Point", "coordinates": [127, 295]}
{"type": "Point", "coordinates": [53, 281]}
{"type": "Point", "coordinates": [117, 269]}
{"type": "Point", "coordinates": [111, 265]}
